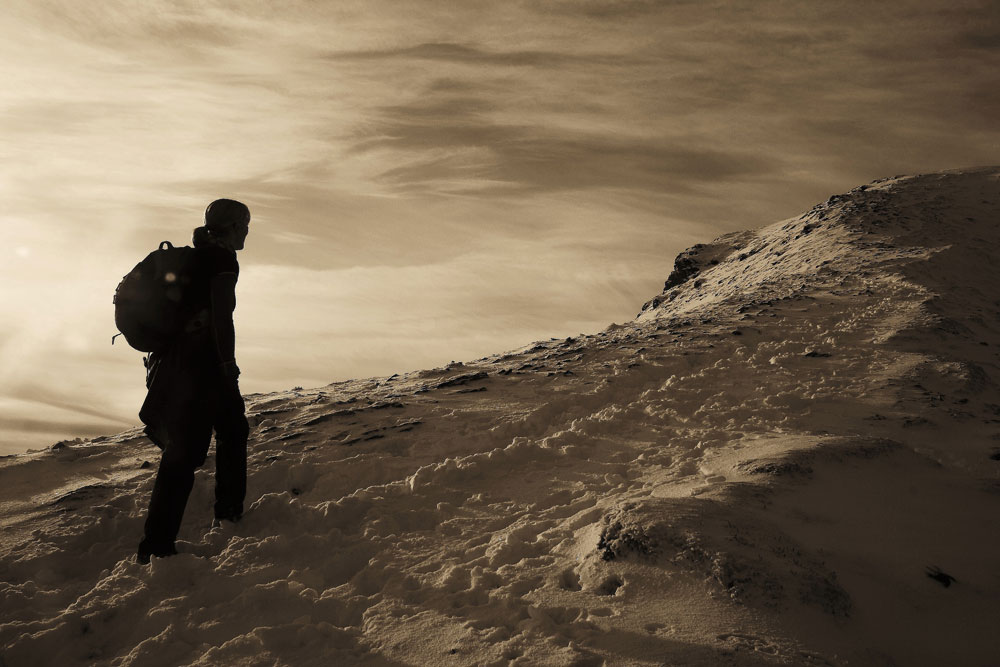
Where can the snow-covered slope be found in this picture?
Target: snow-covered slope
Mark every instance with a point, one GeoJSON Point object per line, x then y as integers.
{"type": "Point", "coordinates": [789, 457]}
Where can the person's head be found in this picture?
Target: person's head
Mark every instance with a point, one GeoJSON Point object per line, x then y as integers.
{"type": "Point", "coordinates": [227, 223]}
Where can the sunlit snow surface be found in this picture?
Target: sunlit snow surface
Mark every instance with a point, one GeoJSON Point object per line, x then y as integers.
{"type": "Point", "coordinates": [759, 469]}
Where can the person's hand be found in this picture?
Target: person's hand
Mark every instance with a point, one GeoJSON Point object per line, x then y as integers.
{"type": "Point", "coordinates": [229, 369]}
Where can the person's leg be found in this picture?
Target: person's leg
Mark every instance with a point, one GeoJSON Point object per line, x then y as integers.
{"type": "Point", "coordinates": [231, 432]}
{"type": "Point", "coordinates": [174, 479]}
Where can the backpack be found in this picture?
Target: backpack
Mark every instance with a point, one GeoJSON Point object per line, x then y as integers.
{"type": "Point", "coordinates": [153, 301]}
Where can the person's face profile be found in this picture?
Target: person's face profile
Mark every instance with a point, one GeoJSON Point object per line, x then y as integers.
{"type": "Point", "coordinates": [240, 233]}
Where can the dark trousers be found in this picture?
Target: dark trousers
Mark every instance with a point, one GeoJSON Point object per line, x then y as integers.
{"type": "Point", "coordinates": [185, 445]}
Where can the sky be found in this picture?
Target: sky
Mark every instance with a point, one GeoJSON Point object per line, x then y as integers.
{"type": "Point", "coordinates": [433, 180]}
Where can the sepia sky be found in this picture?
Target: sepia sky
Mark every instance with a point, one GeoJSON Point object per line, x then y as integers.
{"type": "Point", "coordinates": [433, 180]}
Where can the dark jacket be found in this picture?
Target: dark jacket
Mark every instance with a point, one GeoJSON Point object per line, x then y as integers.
{"type": "Point", "coordinates": [186, 380]}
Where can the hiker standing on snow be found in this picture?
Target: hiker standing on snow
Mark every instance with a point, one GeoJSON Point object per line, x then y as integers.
{"type": "Point", "coordinates": [193, 388]}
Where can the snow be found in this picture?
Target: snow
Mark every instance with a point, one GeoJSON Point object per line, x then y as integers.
{"type": "Point", "coordinates": [765, 467]}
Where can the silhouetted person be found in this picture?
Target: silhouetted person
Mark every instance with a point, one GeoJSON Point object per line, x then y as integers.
{"type": "Point", "coordinates": [193, 388]}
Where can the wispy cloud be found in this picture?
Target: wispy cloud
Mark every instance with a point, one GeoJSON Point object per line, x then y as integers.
{"type": "Point", "coordinates": [486, 158]}
{"type": "Point", "coordinates": [465, 54]}
{"type": "Point", "coordinates": [30, 429]}
{"type": "Point", "coordinates": [68, 401]}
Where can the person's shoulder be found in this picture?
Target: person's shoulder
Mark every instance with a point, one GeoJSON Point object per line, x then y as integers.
{"type": "Point", "coordinates": [217, 259]}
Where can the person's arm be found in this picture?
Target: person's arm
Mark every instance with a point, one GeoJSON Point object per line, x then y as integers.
{"type": "Point", "coordinates": [222, 289]}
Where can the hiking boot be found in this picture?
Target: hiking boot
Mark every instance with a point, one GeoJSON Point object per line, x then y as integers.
{"type": "Point", "coordinates": [146, 550]}
{"type": "Point", "coordinates": [228, 512]}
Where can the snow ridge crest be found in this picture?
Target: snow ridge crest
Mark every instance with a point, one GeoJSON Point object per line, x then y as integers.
{"type": "Point", "coordinates": [871, 228]}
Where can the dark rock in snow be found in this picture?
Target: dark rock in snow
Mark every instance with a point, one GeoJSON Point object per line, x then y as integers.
{"type": "Point", "coordinates": [461, 379]}
{"type": "Point", "coordinates": [943, 578]}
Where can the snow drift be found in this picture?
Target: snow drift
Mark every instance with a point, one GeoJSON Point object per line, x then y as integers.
{"type": "Point", "coordinates": [790, 457]}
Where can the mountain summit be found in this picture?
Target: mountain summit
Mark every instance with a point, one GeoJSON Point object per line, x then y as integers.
{"type": "Point", "coordinates": [790, 457]}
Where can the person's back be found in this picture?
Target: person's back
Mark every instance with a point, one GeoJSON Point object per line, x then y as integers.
{"type": "Point", "coordinates": [193, 388]}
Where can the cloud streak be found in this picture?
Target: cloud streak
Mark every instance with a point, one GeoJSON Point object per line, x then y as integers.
{"type": "Point", "coordinates": [496, 159]}
{"type": "Point", "coordinates": [465, 54]}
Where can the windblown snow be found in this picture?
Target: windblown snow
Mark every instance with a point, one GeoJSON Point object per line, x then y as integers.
{"type": "Point", "coordinates": [790, 457]}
